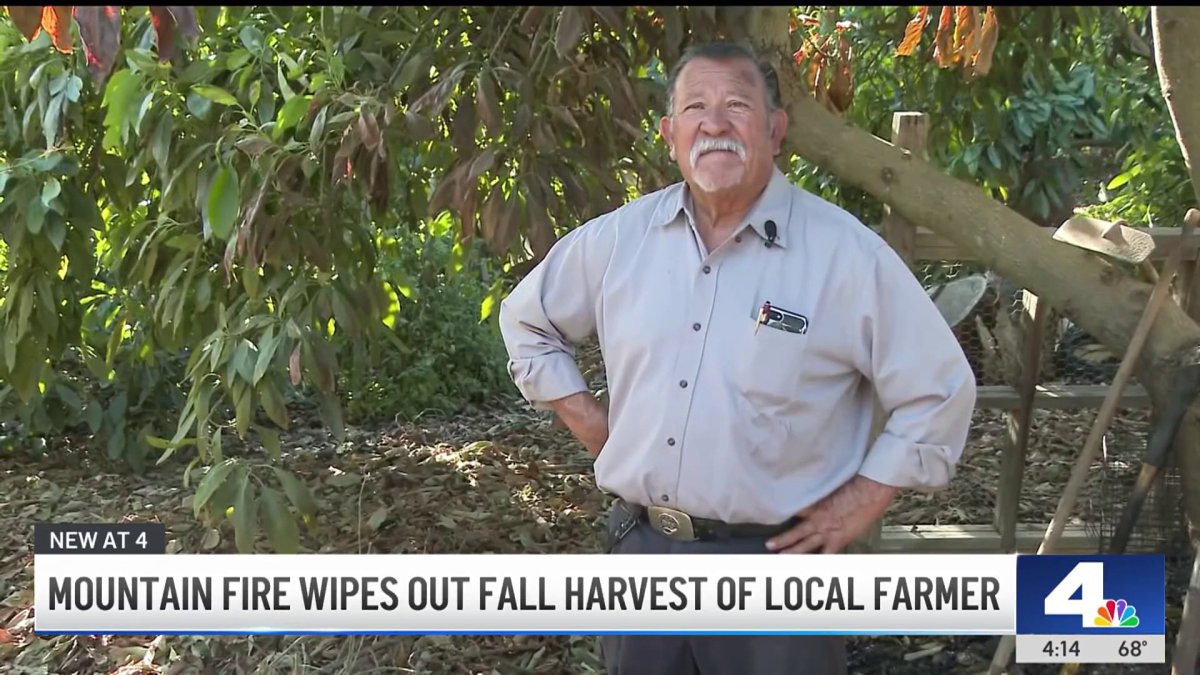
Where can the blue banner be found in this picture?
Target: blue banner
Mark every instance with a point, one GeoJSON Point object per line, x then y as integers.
{"type": "Point", "coordinates": [1091, 595]}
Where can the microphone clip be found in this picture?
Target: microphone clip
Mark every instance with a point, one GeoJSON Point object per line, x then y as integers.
{"type": "Point", "coordinates": [769, 226]}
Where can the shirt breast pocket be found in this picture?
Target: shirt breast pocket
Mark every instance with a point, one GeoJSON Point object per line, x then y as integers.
{"type": "Point", "coordinates": [771, 358]}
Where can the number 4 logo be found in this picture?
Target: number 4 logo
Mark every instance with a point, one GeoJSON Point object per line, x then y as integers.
{"type": "Point", "coordinates": [1088, 579]}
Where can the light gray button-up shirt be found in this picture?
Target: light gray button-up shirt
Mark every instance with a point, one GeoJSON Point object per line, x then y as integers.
{"type": "Point", "coordinates": [719, 419]}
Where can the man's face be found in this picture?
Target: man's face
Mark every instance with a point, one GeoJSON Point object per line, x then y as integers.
{"type": "Point", "coordinates": [721, 131]}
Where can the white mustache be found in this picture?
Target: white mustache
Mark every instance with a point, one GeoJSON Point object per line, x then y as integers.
{"type": "Point", "coordinates": [709, 144]}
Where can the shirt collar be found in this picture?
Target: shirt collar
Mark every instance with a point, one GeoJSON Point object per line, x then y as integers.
{"type": "Point", "coordinates": [774, 204]}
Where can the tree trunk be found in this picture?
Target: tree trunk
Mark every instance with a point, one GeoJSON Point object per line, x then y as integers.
{"type": "Point", "coordinates": [1100, 298]}
{"type": "Point", "coordinates": [1177, 54]}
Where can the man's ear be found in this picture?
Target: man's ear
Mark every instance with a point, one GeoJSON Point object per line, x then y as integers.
{"type": "Point", "coordinates": [779, 124]}
{"type": "Point", "coordinates": [664, 128]}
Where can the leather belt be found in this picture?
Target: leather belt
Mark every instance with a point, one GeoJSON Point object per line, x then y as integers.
{"type": "Point", "coordinates": [676, 524]}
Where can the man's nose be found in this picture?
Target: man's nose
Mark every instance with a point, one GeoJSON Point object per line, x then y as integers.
{"type": "Point", "coordinates": [715, 121]}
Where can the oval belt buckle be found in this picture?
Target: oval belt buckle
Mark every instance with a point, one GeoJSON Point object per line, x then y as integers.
{"type": "Point", "coordinates": [672, 523]}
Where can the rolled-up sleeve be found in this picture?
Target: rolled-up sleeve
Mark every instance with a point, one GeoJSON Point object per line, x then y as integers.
{"type": "Point", "coordinates": [552, 309]}
{"type": "Point", "coordinates": [920, 374]}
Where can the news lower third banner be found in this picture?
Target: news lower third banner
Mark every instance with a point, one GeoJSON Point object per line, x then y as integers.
{"type": "Point", "coordinates": [113, 579]}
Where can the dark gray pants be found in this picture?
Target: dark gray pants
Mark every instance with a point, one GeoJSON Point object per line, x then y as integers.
{"type": "Point", "coordinates": [711, 654]}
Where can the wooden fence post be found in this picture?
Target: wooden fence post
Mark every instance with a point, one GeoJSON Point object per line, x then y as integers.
{"type": "Point", "coordinates": [910, 130]}
{"type": "Point", "coordinates": [1031, 327]}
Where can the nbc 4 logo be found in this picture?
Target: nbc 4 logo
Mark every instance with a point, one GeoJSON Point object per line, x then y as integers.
{"type": "Point", "coordinates": [1081, 593]}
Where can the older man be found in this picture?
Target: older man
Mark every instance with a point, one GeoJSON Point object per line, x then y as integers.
{"type": "Point", "coordinates": [746, 325]}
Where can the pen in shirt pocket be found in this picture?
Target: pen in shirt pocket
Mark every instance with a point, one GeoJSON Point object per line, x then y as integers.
{"type": "Point", "coordinates": [763, 313]}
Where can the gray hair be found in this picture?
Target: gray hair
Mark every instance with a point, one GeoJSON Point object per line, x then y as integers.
{"type": "Point", "coordinates": [725, 51]}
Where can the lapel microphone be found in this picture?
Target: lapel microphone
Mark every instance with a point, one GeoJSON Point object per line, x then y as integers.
{"type": "Point", "coordinates": [770, 227]}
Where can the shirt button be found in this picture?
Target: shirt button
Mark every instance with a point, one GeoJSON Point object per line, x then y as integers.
{"type": "Point", "coordinates": [738, 238]}
{"type": "Point", "coordinates": [683, 384]}
{"type": "Point", "coordinates": [707, 269]}
{"type": "Point", "coordinates": [670, 441]}
{"type": "Point", "coordinates": [665, 498]}
{"type": "Point", "coordinates": [695, 326]}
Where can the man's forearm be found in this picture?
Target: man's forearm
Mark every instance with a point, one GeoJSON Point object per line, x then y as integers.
{"type": "Point", "coordinates": [586, 418]}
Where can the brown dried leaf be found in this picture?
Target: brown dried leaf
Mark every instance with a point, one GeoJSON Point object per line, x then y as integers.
{"type": "Point", "coordinates": [185, 20]}
{"type": "Point", "coordinates": [912, 32]}
{"type": "Point", "coordinates": [487, 103]}
{"type": "Point", "coordinates": [164, 30]}
{"type": "Point", "coordinates": [294, 365]}
{"type": "Point", "coordinates": [448, 188]}
{"type": "Point", "coordinates": [368, 131]}
{"type": "Point", "coordinates": [981, 64]}
{"type": "Point", "coordinates": [533, 16]}
{"type": "Point", "coordinates": [56, 20]}
{"type": "Point", "coordinates": [462, 133]}
{"type": "Point", "coordinates": [466, 212]}
{"type": "Point", "coordinates": [343, 159]}
{"type": "Point", "coordinates": [841, 89]}
{"type": "Point", "coordinates": [541, 231]}
{"type": "Point", "coordinates": [100, 33]}
{"type": "Point", "coordinates": [508, 228]}
{"type": "Point", "coordinates": [482, 164]}
{"type": "Point", "coordinates": [491, 219]}
{"type": "Point", "coordinates": [543, 138]}
{"type": "Point", "coordinates": [380, 186]}
{"type": "Point", "coordinates": [966, 34]}
{"type": "Point", "coordinates": [434, 101]}
{"type": "Point", "coordinates": [565, 116]}
{"type": "Point", "coordinates": [28, 20]}
{"type": "Point", "coordinates": [569, 32]}
{"type": "Point", "coordinates": [943, 49]}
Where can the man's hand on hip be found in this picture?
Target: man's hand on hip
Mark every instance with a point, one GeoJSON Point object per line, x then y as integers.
{"type": "Point", "coordinates": [586, 418]}
{"type": "Point", "coordinates": [834, 522]}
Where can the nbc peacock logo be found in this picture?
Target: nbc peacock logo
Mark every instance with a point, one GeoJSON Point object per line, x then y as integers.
{"type": "Point", "coordinates": [1116, 614]}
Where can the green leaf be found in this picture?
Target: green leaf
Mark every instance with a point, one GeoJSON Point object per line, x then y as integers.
{"type": "Point", "coordinates": [297, 492]}
{"type": "Point", "coordinates": [94, 416]}
{"type": "Point", "coordinates": [252, 38]}
{"type": "Point", "coordinates": [273, 403]}
{"type": "Point", "coordinates": [245, 514]}
{"type": "Point", "coordinates": [290, 114]}
{"type": "Point", "coordinates": [199, 106]}
{"type": "Point", "coordinates": [118, 98]}
{"type": "Point", "coordinates": [51, 120]}
{"type": "Point", "coordinates": [210, 483]}
{"type": "Point", "coordinates": [1119, 180]}
{"type": "Point", "coordinates": [74, 88]}
{"type": "Point", "coordinates": [116, 443]}
{"type": "Point", "coordinates": [56, 230]}
{"type": "Point", "coordinates": [284, 88]}
{"type": "Point", "coordinates": [280, 524]}
{"type": "Point", "coordinates": [224, 202]}
{"type": "Point", "coordinates": [35, 217]}
{"type": "Point", "coordinates": [270, 440]}
{"type": "Point", "coordinates": [243, 399]}
{"type": "Point", "coordinates": [266, 352]}
{"type": "Point", "coordinates": [215, 94]}
{"type": "Point", "coordinates": [51, 189]}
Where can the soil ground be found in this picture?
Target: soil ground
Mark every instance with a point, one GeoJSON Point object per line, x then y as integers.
{"type": "Point", "coordinates": [491, 481]}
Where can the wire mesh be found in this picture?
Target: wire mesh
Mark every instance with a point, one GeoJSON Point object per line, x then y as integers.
{"type": "Point", "coordinates": [993, 338]}
{"type": "Point", "coordinates": [1160, 523]}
